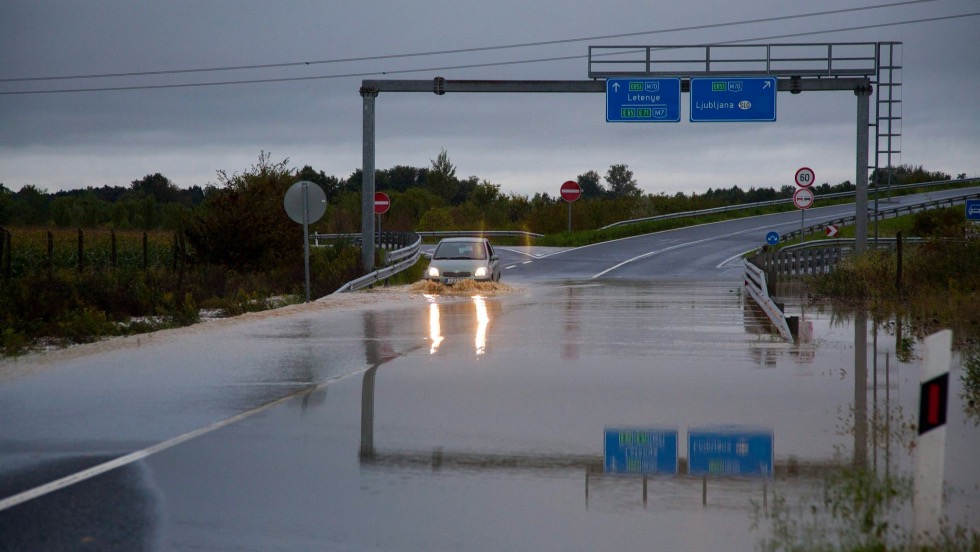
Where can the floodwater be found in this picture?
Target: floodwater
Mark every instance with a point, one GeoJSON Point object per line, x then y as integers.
{"type": "Point", "coordinates": [478, 423]}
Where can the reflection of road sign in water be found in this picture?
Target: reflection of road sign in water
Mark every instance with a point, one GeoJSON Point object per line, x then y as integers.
{"type": "Point", "coordinates": [729, 451]}
{"type": "Point", "coordinates": [803, 198]}
{"type": "Point", "coordinates": [772, 238]}
{"type": "Point", "coordinates": [643, 100]}
{"type": "Point", "coordinates": [641, 451]}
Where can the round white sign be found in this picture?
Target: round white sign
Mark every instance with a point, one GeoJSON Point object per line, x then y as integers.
{"type": "Point", "coordinates": [803, 198]}
{"type": "Point", "coordinates": [805, 177]}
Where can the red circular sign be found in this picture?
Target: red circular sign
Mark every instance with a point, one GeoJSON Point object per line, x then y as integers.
{"type": "Point", "coordinates": [570, 191]}
{"type": "Point", "coordinates": [805, 177]}
{"type": "Point", "coordinates": [381, 203]}
{"type": "Point", "coordinates": [803, 198]}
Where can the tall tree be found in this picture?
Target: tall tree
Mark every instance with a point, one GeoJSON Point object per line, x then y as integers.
{"type": "Point", "coordinates": [591, 185]}
{"type": "Point", "coordinates": [621, 182]}
{"type": "Point", "coordinates": [441, 179]}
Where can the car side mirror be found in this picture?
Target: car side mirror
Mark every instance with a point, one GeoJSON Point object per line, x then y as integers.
{"type": "Point", "coordinates": [494, 257]}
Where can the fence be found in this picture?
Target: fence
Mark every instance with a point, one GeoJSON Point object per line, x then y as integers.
{"type": "Point", "coordinates": [25, 252]}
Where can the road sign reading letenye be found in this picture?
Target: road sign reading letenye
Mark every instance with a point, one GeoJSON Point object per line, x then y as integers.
{"type": "Point", "coordinates": [641, 451]}
{"type": "Point", "coordinates": [733, 99]}
{"type": "Point", "coordinates": [643, 100]}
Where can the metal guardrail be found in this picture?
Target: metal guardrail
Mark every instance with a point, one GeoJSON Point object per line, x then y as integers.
{"type": "Point", "coordinates": [755, 284]}
{"type": "Point", "coordinates": [403, 258]}
{"type": "Point", "coordinates": [883, 214]}
{"type": "Point", "coordinates": [782, 201]}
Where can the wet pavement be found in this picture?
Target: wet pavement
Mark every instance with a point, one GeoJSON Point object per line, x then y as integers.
{"type": "Point", "coordinates": [460, 423]}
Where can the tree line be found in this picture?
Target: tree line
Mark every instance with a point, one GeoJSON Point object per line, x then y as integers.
{"type": "Point", "coordinates": [423, 198]}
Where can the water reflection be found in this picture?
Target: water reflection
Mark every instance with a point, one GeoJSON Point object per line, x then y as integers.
{"type": "Point", "coordinates": [482, 321]}
{"type": "Point", "coordinates": [481, 314]}
{"type": "Point", "coordinates": [435, 327]}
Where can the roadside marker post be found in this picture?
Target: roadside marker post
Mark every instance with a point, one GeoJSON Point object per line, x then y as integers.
{"type": "Point", "coordinates": [930, 451]}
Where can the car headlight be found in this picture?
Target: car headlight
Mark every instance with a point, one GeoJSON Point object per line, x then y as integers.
{"type": "Point", "coordinates": [481, 272]}
{"type": "Point", "coordinates": [433, 272]}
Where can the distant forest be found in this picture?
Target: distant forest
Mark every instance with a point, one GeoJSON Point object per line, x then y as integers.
{"type": "Point", "coordinates": [423, 198]}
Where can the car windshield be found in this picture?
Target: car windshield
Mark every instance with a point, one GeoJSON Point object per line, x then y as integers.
{"type": "Point", "coordinates": [460, 250]}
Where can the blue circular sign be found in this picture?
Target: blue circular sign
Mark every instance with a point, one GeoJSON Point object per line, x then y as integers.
{"type": "Point", "coordinates": [772, 238]}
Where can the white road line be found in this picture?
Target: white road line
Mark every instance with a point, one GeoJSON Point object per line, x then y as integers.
{"type": "Point", "coordinates": [510, 267]}
{"type": "Point", "coordinates": [732, 258]}
{"type": "Point", "coordinates": [78, 477]}
{"type": "Point", "coordinates": [527, 262]}
{"type": "Point", "coordinates": [671, 248]}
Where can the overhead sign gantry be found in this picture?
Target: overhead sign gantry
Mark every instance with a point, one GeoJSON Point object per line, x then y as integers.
{"type": "Point", "coordinates": [751, 75]}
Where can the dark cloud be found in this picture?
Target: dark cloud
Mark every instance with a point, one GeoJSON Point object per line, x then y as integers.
{"type": "Point", "coordinates": [527, 143]}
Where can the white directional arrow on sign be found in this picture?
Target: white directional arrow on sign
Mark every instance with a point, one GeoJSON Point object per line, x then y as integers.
{"type": "Point", "coordinates": [832, 231]}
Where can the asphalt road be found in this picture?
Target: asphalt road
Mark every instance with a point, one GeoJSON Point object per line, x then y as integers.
{"type": "Point", "coordinates": [396, 421]}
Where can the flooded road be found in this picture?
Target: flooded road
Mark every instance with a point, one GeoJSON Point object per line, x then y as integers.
{"type": "Point", "coordinates": [477, 423]}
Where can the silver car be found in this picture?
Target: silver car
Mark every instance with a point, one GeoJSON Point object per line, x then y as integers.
{"type": "Point", "coordinates": [463, 259]}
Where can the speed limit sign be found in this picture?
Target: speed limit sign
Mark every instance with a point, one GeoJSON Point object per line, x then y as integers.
{"type": "Point", "coordinates": [804, 177]}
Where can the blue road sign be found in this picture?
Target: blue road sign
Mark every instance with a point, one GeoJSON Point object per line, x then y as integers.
{"type": "Point", "coordinates": [643, 100]}
{"type": "Point", "coordinates": [772, 238]}
{"type": "Point", "coordinates": [973, 209]}
{"type": "Point", "coordinates": [733, 99]}
{"type": "Point", "coordinates": [729, 450]}
{"type": "Point", "coordinates": [641, 451]}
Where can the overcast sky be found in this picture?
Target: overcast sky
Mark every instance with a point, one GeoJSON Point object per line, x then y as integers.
{"type": "Point", "coordinates": [527, 143]}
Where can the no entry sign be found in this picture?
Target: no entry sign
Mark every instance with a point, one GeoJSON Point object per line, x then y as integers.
{"type": "Point", "coordinates": [381, 203]}
{"type": "Point", "coordinates": [570, 191]}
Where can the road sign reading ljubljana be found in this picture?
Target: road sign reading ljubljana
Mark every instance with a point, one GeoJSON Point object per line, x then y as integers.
{"type": "Point", "coordinates": [643, 100]}
{"type": "Point", "coordinates": [729, 451]}
{"type": "Point", "coordinates": [733, 99]}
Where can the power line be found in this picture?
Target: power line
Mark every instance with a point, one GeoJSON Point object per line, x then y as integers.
{"type": "Point", "coordinates": [465, 66]}
{"type": "Point", "coordinates": [463, 50]}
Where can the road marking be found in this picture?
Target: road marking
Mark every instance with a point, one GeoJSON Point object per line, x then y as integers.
{"type": "Point", "coordinates": [673, 247]}
{"type": "Point", "coordinates": [733, 257]}
{"type": "Point", "coordinates": [99, 469]}
{"type": "Point", "coordinates": [510, 267]}
{"type": "Point", "coordinates": [527, 262]}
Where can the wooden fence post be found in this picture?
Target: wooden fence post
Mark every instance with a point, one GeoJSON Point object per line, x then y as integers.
{"type": "Point", "coordinates": [81, 251]}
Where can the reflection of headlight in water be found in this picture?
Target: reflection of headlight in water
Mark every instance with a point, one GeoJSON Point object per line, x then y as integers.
{"type": "Point", "coordinates": [482, 320]}
{"type": "Point", "coordinates": [435, 329]}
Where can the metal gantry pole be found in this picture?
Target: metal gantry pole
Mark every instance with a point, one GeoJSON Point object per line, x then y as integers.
{"type": "Point", "coordinates": [863, 94]}
{"type": "Point", "coordinates": [367, 180]}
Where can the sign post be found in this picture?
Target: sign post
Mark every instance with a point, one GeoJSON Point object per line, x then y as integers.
{"type": "Point", "coordinates": [305, 202]}
{"type": "Point", "coordinates": [803, 197]}
{"type": "Point", "coordinates": [570, 191]}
